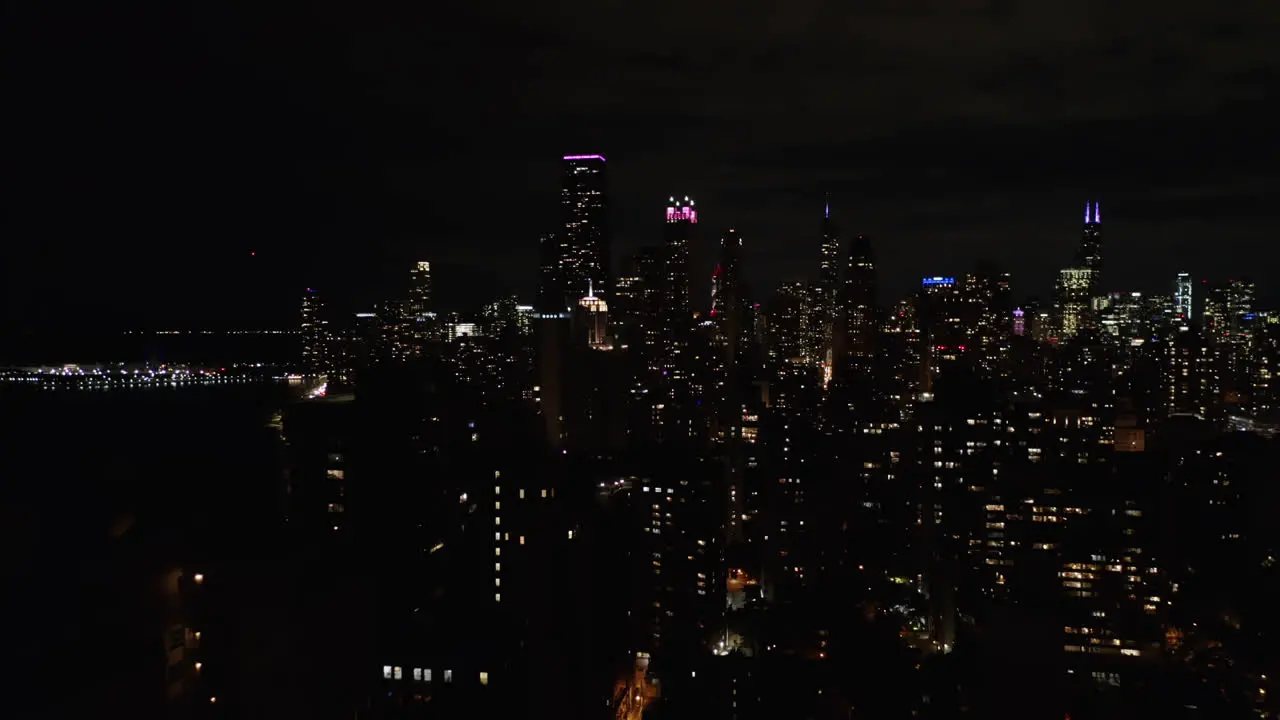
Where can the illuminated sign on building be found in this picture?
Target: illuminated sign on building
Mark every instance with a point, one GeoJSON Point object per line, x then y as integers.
{"type": "Point", "coordinates": [584, 157]}
{"type": "Point", "coordinates": [938, 281]}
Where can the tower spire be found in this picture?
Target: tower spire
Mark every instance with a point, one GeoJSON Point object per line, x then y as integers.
{"type": "Point", "coordinates": [1086, 213]}
{"type": "Point", "coordinates": [826, 213]}
{"type": "Point", "coordinates": [1097, 213]}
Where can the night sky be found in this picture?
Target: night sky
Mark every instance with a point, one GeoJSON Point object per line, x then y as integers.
{"type": "Point", "coordinates": [152, 148]}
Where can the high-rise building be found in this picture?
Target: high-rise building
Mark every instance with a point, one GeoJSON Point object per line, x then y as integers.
{"type": "Point", "coordinates": [787, 322]}
{"type": "Point", "coordinates": [583, 256]}
{"type": "Point", "coordinates": [637, 296]}
{"type": "Point", "coordinates": [1188, 379]}
{"type": "Point", "coordinates": [315, 334]}
{"type": "Point", "coordinates": [1123, 319]}
{"type": "Point", "coordinates": [595, 317]}
{"type": "Point", "coordinates": [829, 278]}
{"type": "Point", "coordinates": [1182, 297]}
{"type": "Point", "coordinates": [397, 329]}
{"type": "Point", "coordinates": [1229, 322]}
{"type": "Point", "coordinates": [421, 319]}
{"type": "Point", "coordinates": [1072, 298]}
{"type": "Point", "coordinates": [677, 241]}
{"type": "Point", "coordinates": [674, 359]}
{"type": "Point", "coordinates": [938, 307]}
{"type": "Point", "coordinates": [550, 300]}
{"type": "Point", "coordinates": [726, 280]}
{"type": "Point", "coordinates": [1090, 254]}
{"type": "Point", "coordinates": [859, 299]}
{"type": "Point", "coordinates": [501, 318]}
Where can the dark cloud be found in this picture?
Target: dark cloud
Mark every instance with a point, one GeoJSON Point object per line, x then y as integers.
{"type": "Point", "coordinates": [344, 139]}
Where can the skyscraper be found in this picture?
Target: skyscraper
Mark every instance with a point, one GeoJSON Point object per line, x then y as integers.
{"type": "Point", "coordinates": [637, 299]}
{"type": "Point", "coordinates": [1090, 254]}
{"type": "Point", "coordinates": [1071, 298]}
{"type": "Point", "coordinates": [420, 315]}
{"type": "Point", "coordinates": [674, 361]}
{"type": "Point", "coordinates": [677, 240]}
{"type": "Point", "coordinates": [315, 334]}
{"type": "Point", "coordinates": [595, 317]}
{"type": "Point", "coordinates": [859, 299]}
{"type": "Point", "coordinates": [726, 280]}
{"type": "Point", "coordinates": [583, 256]}
{"type": "Point", "coordinates": [1182, 297]}
{"type": "Point", "coordinates": [829, 277]}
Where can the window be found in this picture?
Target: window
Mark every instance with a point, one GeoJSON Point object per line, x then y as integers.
{"type": "Point", "coordinates": [484, 678]}
{"type": "Point", "coordinates": [417, 673]}
{"type": "Point", "coordinates": [448, 676]}
{"type": "Point", "coordinates": [497, 567]}
{"type": "Point", "coordinates": [497, 552]}
{"type": "Point", "coordinates": [521, 539]}
{"type": "Point", "coordinates": [497, 505]}
{"type": "Point", "coordinates": [497, 489]}
{"type": "Point", "coordinates": [497, 582]}
{"type": "Point", "coordinates": [521, 493]}
{"type": "Point", "coordinates": [398, 672]}
{"type": "Point", "coordinates": [544, 492]}
{"type": "Point", "coordinates": [335, 474]}
{"type": "Point", "coordinates": [497, 597]}
{"type": "Point", "coordinates": [497, 520]}
{"type": "Point", "coordinates": [426, 675]}
{"type": "Point", "coordinates": [570, 534]}
{"type": "Point", "coordinates": [386, 672]}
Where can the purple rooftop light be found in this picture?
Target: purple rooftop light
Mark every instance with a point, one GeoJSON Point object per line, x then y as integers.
{"type": "Point", "coordinates": [585, 157]}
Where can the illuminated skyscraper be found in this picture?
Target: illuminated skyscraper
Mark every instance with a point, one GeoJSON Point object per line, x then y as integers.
{"type": "Point", "coordinates": [829, 277]}
{"type": "Point", "coordinates": [1189, 381]}
{"type": "Point", "coordinates": [636, 301]}
{"type": "Point", "coordinates": [550, 300]}
{"type": "Point", "coordinates": [859, 299]}
{"type": "Point", "coordinates": [583, 256]}
{"type": "Point", "coordinates": [1072, 301]}
{"type": "Point", "coordinates": [787, 322]}
{"type": "Point", "coordinates": [726, 280]}
{"type": "Point", "coordinates": [595, 317]}
{"type": "Point", "coordinates": [420, 316]}
{"type": "Point", "coordinates": [677, 240]}
{"type": "Point", "coordinates": [1123, 319]}
{"type": "Point", "coordinates": [674, 360]}
{"type": "Point", "coordinates": [1182, 297]}
{"type": "Point", "coordinates": [315, 335]}
{"type": "Point", "coordinates": [1090, 255]}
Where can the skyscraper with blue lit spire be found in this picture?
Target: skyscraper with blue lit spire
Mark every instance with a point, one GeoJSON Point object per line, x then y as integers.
{"type": "Point", "coordinates": [1090, 254]}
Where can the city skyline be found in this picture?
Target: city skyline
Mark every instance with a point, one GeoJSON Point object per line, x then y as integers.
{"type": "Point", "coordinates": [898, 277]}
{"type": "Point", "coordinates": [642, 361]}
{"type": "Point", "coordinates": [333, 162]}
